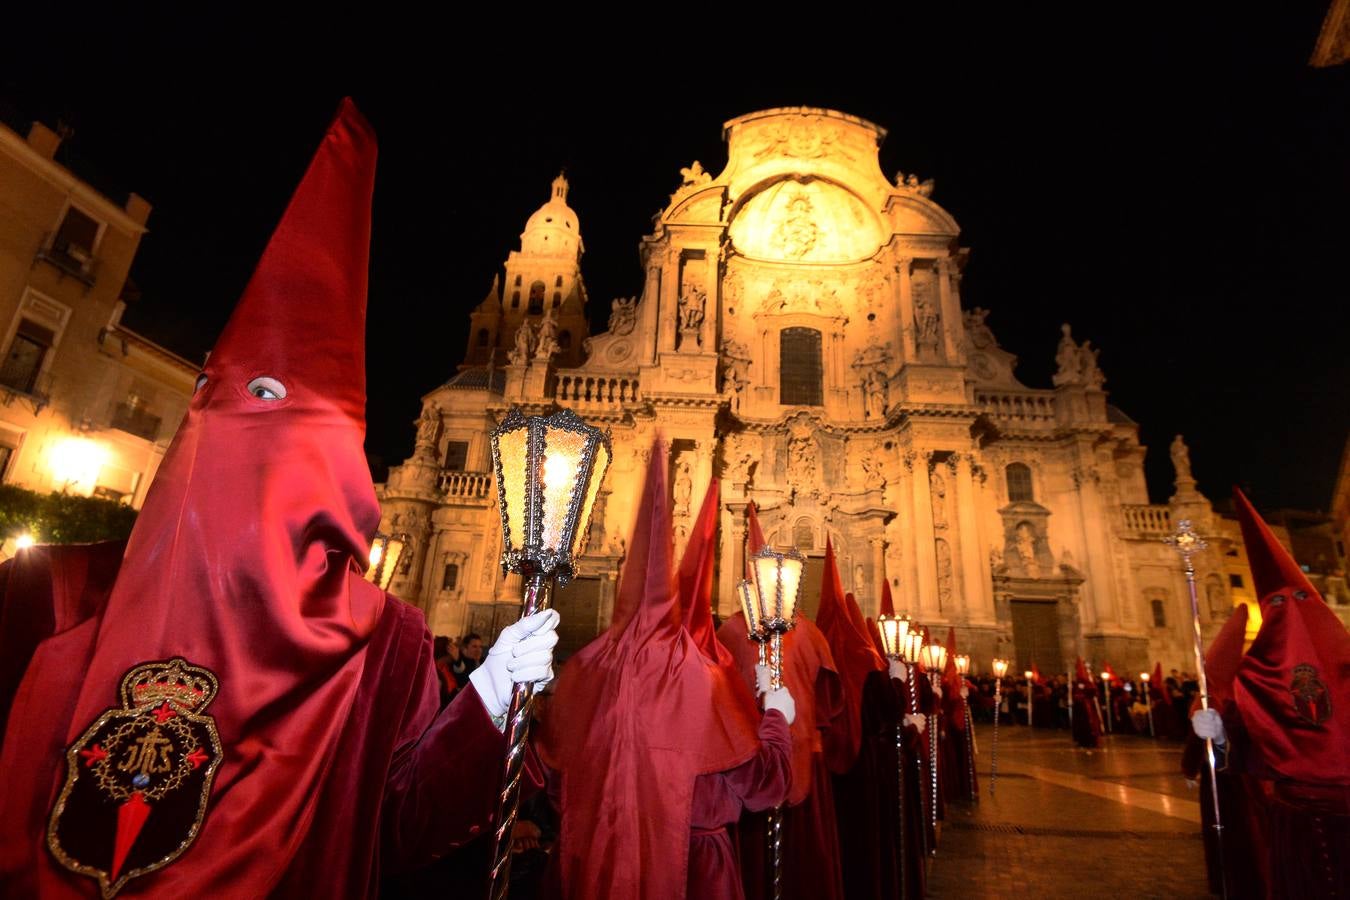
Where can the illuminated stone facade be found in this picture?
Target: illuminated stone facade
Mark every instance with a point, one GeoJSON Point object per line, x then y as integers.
{"type": "Point", "coordinates": [800, 335]}
{"type": "Point", "coordinates": [87, 406]}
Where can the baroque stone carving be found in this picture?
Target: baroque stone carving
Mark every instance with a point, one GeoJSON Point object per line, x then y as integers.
{"type": "Point", "coordinates": [623, 315]}
{"type": "Point", "coordinates": [803, 296]}
{"type": "Point", "coordinates": [1181, 459]}
{"type": "Point", "coordinates": [691, 311]}
{"type": "Point", "coordinates": [803, 464]}
{"type": "Point", "coordinates": [524, 346]}
{"type": "Point", "coordinates": [684, 487]}
{"type": "Point", "coordinates": [738, 455]}
{"type": "Point", "coordinates": [937, 489]}
{"type": "Point", "coordinates": [1026, 549]}
{"type": "Point", "coordinates": [693, 175]}
{"type": "Point", "coordinates": [979, 333]}
{"type": "Point", "coordinates": [796, 233]}
{"type": "Point", "coordinates": [428, 429]}
{"type": "Point", "coordinates": [871, 365]}
{"type": "Point", "coordinates": [1076, 365]}
{"type": "Point", "coordinates": [735, 370]}
{"type": "Point", "coordinates": [874, 476]}
{"type": "Point", "coordinates": [546, 344]}
{"type": "Point", "coordinates": [911, 184]}
{"type": "Point", "coordinates": [944, 573]}
{"type": "Point", "coordinates": [927, 320]}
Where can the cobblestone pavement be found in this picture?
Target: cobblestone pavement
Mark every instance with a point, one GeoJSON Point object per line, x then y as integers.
{"type": "Point", "coordinates": [1120, 822]}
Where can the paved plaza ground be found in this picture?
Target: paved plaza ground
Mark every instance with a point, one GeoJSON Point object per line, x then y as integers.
{"type": "Point", "coordinates": [1120, 822]}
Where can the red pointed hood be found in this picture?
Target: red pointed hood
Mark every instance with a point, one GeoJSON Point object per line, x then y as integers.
{"type": "Point", "coordinates": [657, 715]}
{"type": "Point", "coordinates": [695, 577]}
{"type": "Point", "coordinates": [854, 657]}
{"type": "Point", "coordinates": [887, 601]}
{"type": "Point", "coordinates": [1293, 686]}
{"type": "Point", "coordinates": [1082, 674]}
{"type": "Point", "coordinates": [246, 558]}
{"type": "Point", "coordinates": [754, 535]}
{"type": "Point", "coordinates": [1223, 658]}
{"type": "Point", "coordinates": [952, 707]}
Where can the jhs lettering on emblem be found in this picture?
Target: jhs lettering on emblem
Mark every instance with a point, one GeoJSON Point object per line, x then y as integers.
{"type": "Point", "coordinates": [138, 779]}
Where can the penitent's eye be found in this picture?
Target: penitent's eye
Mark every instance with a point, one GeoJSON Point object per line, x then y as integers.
{"type": "Point", "coordinates": [201, 383]}
{"type": "Point", "coordinates": [265, 388]}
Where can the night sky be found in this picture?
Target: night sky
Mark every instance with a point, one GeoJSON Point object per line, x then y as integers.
{"type": "Point", "coordinates": [1176, 189]}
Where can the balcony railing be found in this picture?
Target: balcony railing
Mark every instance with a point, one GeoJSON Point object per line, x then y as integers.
{"type": "Point", "coordinates": [1153, 520]}
{"type": "Point", "coordinates": [136, 420]}
{"type": "Point", "coordinates": [596, 391]}
{"type": "Point", "coordinates": [465, 485]}
{"type": "Point", "coordinates": [1014, 407]}
{"type": "Point", "coordinates": [71, 259]}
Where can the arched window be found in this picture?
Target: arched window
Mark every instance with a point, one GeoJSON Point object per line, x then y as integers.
{"type": "Point", "coordinates": [564, 340]}
{"type": "Point", "coordinates": [804, 536]}
{"type": "Point", "coordinates": [799, 369]}
{"type": "Point", "coordinates": [1019, 483]}
{"type": "Point", "coordinates": [536, 299]}
{"type": "Point", "coordinates": [451, 577]}
{"type": "Point", "coordinates": [557, 282]}
{"type": "Point", "coordinates": [483, 337]}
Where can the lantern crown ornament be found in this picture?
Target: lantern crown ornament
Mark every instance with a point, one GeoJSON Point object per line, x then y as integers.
{"type": "Point", "coordinates": [549, 470]}
{"type": "Point", "coordinates": [894, 634]}
{"type": "Point", "coordinates": [385, 552]}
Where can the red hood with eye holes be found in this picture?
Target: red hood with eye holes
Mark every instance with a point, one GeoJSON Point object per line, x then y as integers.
{"type": "Point", "coordinates": [247, 556]}
{"type": "Point", "coordinates": [1293, 685]}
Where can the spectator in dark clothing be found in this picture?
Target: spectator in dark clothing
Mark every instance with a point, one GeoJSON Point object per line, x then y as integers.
{"type": "Point", "coordinates": [470, 655]}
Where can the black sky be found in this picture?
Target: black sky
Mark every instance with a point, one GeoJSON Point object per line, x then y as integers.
{"type": "Point", "coordinates": [1177, 188]}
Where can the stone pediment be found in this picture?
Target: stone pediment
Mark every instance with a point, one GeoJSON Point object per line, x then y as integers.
{"type": "Point", "coordinates": [805, 220]}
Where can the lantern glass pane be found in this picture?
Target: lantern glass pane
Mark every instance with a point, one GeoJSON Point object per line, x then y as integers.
{"type": "Point", "coordinates": [791, 572]}
{"type": "Point", "coordinates": [749, 598]}
{"type": "Point", "coordinates": [511, 447]}
{"type": "Point", "coordinates": [392, 554]}
{"type": "Point", "coordinates": [766, 584]}
{"type": "Point", "coordinates": [890, 635]}
{"type": "Point", "coordinates": [563, 452]}
{"type": "Point", "coordinates": [598, 469]}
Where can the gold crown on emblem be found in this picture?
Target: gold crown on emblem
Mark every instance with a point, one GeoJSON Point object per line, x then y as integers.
{"type": "Point", "coordinates": [189, 688]}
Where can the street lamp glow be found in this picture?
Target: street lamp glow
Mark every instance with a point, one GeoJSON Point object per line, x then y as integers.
{"type": "Point", "coordinates": [24, 541]}
{"type": "Point", "coordinates": [76, 461]}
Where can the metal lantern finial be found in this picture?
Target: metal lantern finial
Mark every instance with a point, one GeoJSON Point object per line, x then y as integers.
{"type": "Point", "coordinates": [549, 470]}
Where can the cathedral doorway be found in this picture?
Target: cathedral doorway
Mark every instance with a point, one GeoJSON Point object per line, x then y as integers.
{"type": "Point", "coordinates": [1036, 636]}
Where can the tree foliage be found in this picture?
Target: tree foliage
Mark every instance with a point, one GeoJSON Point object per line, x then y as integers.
{"type": "Point", "coordinates": [62, 518]}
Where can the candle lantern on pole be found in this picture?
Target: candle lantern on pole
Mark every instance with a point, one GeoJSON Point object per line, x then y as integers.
{"type": "Point", "coordinates": [1000, 667]}
{"type": "Point", "coordinates": [1029, 675]}
{"type": "Point", "coordinates": [1106, 699]}
{"type": "Point", "coordinates": [1148, 700]}
{"type": "Point", "coordinates": [894, 640]}
{"type": "Point", "coordinates": [1187, 543]}
{"type": "Point", "coordinates": [385, 553]}
{"type": "Point", "coordinates": [934, 658]}
{"type": "Point", "coordinates": [962, 669]}
{"type": "Point", "coordinates": [548, 473]}
{"type": "Point", "coordinates": [769, 602]}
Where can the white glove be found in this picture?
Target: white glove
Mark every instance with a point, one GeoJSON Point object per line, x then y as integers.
{"type": "Point", "coordinates": [1209, 724]}
{"type": "Point", "coordinates": [762, 680]}
{"type": "Point", "coordinates": [965, 692]}
{"type": "Point", "coordinates": [899, 670]}
{"type": "Point", "coordinates": [523, 653]}
{"type": "Point", "coordinates": [917, 720]}
{"type": "Point", "coordinates": [782, 701]}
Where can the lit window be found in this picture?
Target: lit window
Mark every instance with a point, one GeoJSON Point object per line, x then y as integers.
{"type": "Point", "coordinates": [27, 352]}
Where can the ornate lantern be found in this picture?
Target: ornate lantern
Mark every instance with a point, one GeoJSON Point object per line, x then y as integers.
{"type": "Point", "coordinates": [549, 471]}
{"type": "Point", "coordinates": [894, 634]}
{"type": "Point", "coordinates": [962, 664]}
{"type": "Point", "coordinates": [385, 552]}
{"type": "Point", "coordinates": [1000, 667]}
{"type": "Point", "coordinates": [777, 580]}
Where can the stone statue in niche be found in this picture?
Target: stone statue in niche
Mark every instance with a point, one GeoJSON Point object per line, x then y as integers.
{"type": "Point", "coordinates": [875, 390]}
{"type": "Point", "coordinates": [735, 370]}
{"type": "Point", "coordinates": [691, 311]}
{"type": "Point", "coordinates": [547, 344]}
{"type": "Point", "coordinates": [1026, 549]}
{"type": "Point", "coordinates": [937, 488]}
{"type": "Point", "coordinates": [944, 573]}
{"type": "Point", "coordinates": [693, 175]}
{"type": "Point", "coordinates": [874, 478]}
{"type": "Point", "coordinates": [737, 457]}
{"type": "Point", "coordinates": [859, 579]}
{"type": "Point", "coordinates": [803, 465]}
{"type": "Point", "coordinates": [428, 427]}
{"type": "Point", "coordinates": [684, 487]}
{"type": "Point", "coordinates": [927, 323]}
{"type": "Point", "coordinates": [1218, 600]}
{"type": "Point", "coordinates": [524, 346]}
{"type": "Point", "coordinates": [1181, 459]}
{"type": "Point", "coordinates": [623, 316]}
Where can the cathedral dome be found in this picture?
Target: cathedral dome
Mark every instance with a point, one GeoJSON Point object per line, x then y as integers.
{"type": "Point", "coordinates": [554, 229]}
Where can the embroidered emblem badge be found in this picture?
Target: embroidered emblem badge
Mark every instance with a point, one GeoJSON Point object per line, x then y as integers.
{"type": "Point", "coordinates": [1312, 700]}
{"type": "Point", "coordinates": [138, 779]}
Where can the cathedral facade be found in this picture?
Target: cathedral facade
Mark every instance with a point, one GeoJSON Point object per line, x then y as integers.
{"type": "Point", "coordinates": [799, 335]}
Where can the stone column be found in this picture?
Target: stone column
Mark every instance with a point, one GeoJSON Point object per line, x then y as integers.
{"type": "Point", "coordinates": [669, 310]}
{"type": "Point", "coordinates": [925, 553]}
{"type": "Point", "coordinates": [878, 572]}
{"type": "Point", "coordinates": [967, 518]}
{"type": "Point", "coordinates": [984, 609]}
{"type": "Point", "coordinates": [907, 597]}
{"type": "Point", "coordinates": [732, 557]}
{"type": "Point", "coordinates": [651, 307]}
{"type": "Point", "coordinates": [1099, 567]}
{"type": "Point", "coordinates": [951, 313]}
{"type": "Point", "coordinates": [904, 302]}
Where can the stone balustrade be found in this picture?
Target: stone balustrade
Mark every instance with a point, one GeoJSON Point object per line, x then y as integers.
{"type": "Point", "coordinates": [1153, 520]}
{"type": "Point", "coordinates": [1017, 406]}
{"type": "Point", "coordinates": [465, 486]}
{"type": "Point", "coordinates": [582, 391]}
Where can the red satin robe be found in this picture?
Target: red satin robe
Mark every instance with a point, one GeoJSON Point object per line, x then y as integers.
{"type": "Point", "coordinates": [406, 785]}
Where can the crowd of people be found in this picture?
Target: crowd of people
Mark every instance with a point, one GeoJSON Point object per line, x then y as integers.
{"type": "Point", "coordinates": [224, 706]}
